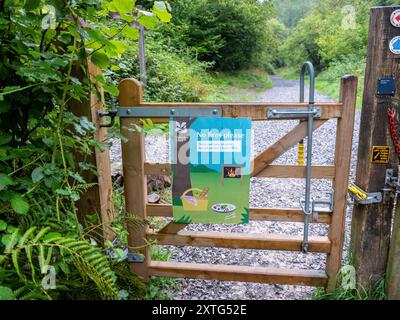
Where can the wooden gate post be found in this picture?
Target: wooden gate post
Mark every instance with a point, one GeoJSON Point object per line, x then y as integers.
{"type": "Point", "coordinates": [99, 198]}
{"type": "Point", "coordinates": [135, 180]}
{"type": "Point", "coordinates": [371, 224]}
{"type": "Point", "coordinates": [344, 143]}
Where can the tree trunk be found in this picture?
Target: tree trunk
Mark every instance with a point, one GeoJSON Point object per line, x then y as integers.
{"type": "Point", "coordinates": [181, 165]}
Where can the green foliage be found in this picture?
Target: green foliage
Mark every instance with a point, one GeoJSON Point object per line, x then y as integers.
{"type": "Point", "coordinates": [227, 33]}
{"type": "Point", "coordinates": [32, 252]}
{"type": "Point", "coordinates": [172, 75]}
{"type": "Point", "coordinates": [158, 286]}
{"type": "Point", "coordinates": [44, 149]}
{"type": "Point", "coordinates": [376, 293]}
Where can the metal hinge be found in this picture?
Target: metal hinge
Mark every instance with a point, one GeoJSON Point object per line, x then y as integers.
{"type": "Point", "coordinates": [165, 112]}
{"type": "Point", "coordinates": [294, 113]}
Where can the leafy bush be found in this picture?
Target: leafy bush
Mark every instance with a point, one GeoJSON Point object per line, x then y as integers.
{"type": "Point", "coordinates": [40, 178]}
{"type": "Point", "coordinates": [171, 76]}
{"type": "Point", "coordinates": [227, 33]}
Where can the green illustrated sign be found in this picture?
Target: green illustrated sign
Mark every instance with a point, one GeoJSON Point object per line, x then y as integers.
{"type": "Point", "coordinates": [211, 170]}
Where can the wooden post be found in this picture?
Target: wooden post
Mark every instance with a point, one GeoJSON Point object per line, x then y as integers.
{"type": "Point", "coordinates": [371, 224]}
{"type": "Point", "coordinates": [135, 180]}
{"type": "Point", "coordinates": [344, 143]}
{"type": "Point", "coordinates": [99, 198]}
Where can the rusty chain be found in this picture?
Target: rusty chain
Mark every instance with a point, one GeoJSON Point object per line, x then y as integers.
{"type": "Point", "coordinates": [393, 130]}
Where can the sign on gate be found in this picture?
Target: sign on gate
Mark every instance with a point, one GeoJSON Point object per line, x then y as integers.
{"type": "Point", "coordinates": [211, 170]}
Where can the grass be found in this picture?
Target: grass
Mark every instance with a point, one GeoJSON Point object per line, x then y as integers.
{"type": "Point", "coordinates": [157, 288]}
{"type": "Point", "coordinates": [376, 293]}
{"type": "Point", "coordinates": [241, 86]}
{"type": "Point", "coordinates": [323, 84]}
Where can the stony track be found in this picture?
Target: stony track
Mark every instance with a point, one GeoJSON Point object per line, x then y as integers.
{"type": "Point", "coordinates": [264, 193]}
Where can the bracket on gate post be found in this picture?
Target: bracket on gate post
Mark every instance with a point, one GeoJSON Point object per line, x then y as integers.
{"type": "Point", "coordinates": [363, 198]}
{"type": "Point", "coordinates": [112, 114]}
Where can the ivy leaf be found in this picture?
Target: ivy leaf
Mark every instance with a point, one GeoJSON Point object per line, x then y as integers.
{"type": "Point", "coordinates": [6, 293]}
{"type": "Point", "coordinates": [5, 181]}
{"type": "Point", "coordinates": [101, 60]}
{"type": "Point", "coordinates": [19, 204]}
{"type": "Point", "coordinates": [37, 175]}
{"type": "Point", "coordinates": [160, 9]}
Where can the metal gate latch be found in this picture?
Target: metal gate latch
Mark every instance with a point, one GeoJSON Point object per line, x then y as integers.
{"type": "Point", "coordinates": [316, 206]}
{"type": "Point", "coordinates": [112, 114]}
{"type": "Point", "coordinates": [359, 196]}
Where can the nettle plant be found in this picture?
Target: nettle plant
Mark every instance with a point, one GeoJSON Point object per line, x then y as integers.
{"type": "Point", "coordinates": [43, 43]}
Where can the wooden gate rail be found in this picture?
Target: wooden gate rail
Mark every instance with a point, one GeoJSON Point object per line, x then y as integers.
{"type": "Point", "coordinates": [202, 271]}
{"type": "Point", "coordinates": [136, 171]}
{"type": "Point", "coordinates": [256, 214]}
{"type": "Point", "coordinates": [240, 241]}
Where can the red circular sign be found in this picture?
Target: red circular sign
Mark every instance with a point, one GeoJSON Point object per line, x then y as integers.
{"type": "Point", "coordinates": [395, 18]}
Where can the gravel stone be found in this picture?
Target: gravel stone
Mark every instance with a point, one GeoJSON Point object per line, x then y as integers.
{"type": "Point", "coordinates": [279, 193]}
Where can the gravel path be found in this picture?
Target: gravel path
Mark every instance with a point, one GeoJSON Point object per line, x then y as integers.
{"type": "Point", "coordinates": [264, 193]}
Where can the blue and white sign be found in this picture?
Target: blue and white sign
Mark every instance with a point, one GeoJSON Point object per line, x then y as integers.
{"type": "Point", "coordinates": [395, 45]}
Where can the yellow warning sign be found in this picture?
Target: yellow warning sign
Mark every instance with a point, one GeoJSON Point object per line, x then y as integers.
{"type": "Point", "coordinates": [380, 154]}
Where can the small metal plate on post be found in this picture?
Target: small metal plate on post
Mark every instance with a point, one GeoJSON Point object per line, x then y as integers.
{"type": "Point", "coordinates": [165, 112]}
{"type": "Point", "coordinates": [293, 113]}
{"type": "Point", "coordinates": [386, 86]}
{"type": "Point", "coordinates": [380, 154]}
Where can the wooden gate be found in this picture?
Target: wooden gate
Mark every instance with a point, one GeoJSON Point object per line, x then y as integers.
{"type": "Point", "coordinates": [136, 169]}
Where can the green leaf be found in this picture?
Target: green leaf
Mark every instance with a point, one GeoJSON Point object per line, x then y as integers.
{"type": "Point", "coordinates": [111, 90]}
{"type": "Point", "coordinates": [10, 240]}
{"type": "Point", "coordinates": [131, 33]}
{"type": "Point", "coordinates": [19, 204]}
{"type": "Point", "coordinates": [37, 175]}
{"type": "Point", "coordinates": [147, 19]}
{"type": "Point", "coordinates": [5, 181]}
{"type": "Point", "coordinates": [5, 138]}
{"type": "Point", "coordinates": [6, 293]}
{"type": "Point", "coordinates": [52, 235]}
{"type": "Point", "coordinates": [124, 6]}
{"type": "Point", "coordinates": [101, 60]}
{"type": "Point", "coordinates": [160, 9]}
{"type": "Point", "coordinates": [3, 225]}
